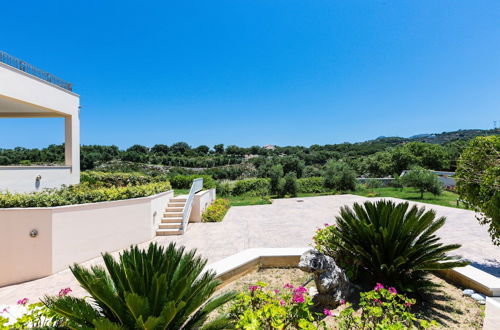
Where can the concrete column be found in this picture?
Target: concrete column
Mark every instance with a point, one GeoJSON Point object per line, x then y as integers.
{"type": "Point", "coordinates": [72, 145]}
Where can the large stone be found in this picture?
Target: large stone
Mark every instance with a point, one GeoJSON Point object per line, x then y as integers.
{"type": "Point", "coordinates": [330, 279]}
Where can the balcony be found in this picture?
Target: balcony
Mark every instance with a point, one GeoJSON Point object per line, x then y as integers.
{"type": "Point", "coordinates": [30, 69]}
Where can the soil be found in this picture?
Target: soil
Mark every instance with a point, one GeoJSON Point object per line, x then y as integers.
{"type": "Point", "coordinates": [446, 304]}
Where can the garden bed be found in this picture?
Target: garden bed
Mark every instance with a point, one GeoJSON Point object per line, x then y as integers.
{"type": "Point", "coordinates": [446, 305]}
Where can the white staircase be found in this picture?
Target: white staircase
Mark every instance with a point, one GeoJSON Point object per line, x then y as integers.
{"type": "Point", "coordinates": [172, 220]}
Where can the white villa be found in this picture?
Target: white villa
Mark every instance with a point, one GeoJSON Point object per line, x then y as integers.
{"type": "Point", "coordinates": [27, 92]}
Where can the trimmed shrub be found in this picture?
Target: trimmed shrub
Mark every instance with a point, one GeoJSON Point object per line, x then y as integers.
{"type": "Point", "coordinates": [289, 185]}
{"type": "Point", "coordinates": [223, 188]}
{"type": "Point", "coordinates": [275, 175]}
{"type": "Point", "coordinates": [311, 185]}
{"type": "Point", "coordinates": [251, 187]}
{"type": "Point", "coordinates": [80, 194]}
{"type": "Point", "coordinates": [185, 181]}
{"type": "Point", "coordinates": [118, 179]}
{"type": "Point", "coordinates": [216, 211]}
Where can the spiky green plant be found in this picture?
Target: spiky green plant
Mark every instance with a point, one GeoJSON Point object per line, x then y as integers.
{"type": "Point", "coordinates": [157, 288]}
{"type": "Point", "coordinates": [394, 244]}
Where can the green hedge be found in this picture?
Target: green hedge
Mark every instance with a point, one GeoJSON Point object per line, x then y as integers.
{"type": "Point", "coordinates": [311, 185]}
{"type": "Point", "coordinates": [118, 179]}
{"type": "Point", "coordinates": [251, 187]}
{"type": "Point", "coordinates": [185, 181]}
{"type": "Point", "coordinates": [80, 194]}
{"type": "Point", "coordinates": [216, 211]}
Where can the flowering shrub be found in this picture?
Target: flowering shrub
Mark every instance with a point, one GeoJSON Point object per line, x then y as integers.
{"type": "Point", "coordinates": [79, 194]}
{"type": "Point", "coordinates": [216, 211]}
{"type": "Point", "coordinates": [382, 308]}
{"type": "Point", "coordinates": [262, 308]}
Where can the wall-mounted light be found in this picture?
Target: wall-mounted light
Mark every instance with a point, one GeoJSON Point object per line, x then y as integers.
{"type": "Point", "coordinates": [38, 178]}
{"type": "Point", "coordinates": [33, 233]}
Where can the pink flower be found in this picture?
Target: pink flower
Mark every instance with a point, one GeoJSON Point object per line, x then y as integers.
{"type": "Point", "coordinates": [392, 290]}
{"type": "Point", "coordinates": [408, 304]}
{"type": "Point", "coordinates": [298, 298]}
{"type": "Point", "coordinates": [253, 288]}
{"type": "Point", "coordinates": [378, 301]}
{"type": "Point", "coordinates": [300, 289]}
{"type": "Point", "coordinates": [342, 301]}
{"type": "Point", "coordinates": [282, 303]}
{"type": "Point", "coordinates": [378, 287]}
{"type": "Point", "coordinates": [5, 310]}
{"type": "Point", "coordinates": [327, 312]}
{"type": "Point", "coordinates": [64, 292]}
{"type": "Point", "coordinates": [276, 291]}
{"type": "Point", "coordinates": [288, 286]}
{"type": "Point", "coordinates": [23, 301]}
{"type": "Point", "coordinates": [326, 225]}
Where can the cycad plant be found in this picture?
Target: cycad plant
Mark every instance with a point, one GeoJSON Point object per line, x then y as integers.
{"type": "Point", "coordinates": [391, 243]}
{"type": "Point", "coordinates": [157, 288]}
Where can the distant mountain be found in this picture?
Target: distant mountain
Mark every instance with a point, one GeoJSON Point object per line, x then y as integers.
{"type": "Point", "coordinates": [445, 137]}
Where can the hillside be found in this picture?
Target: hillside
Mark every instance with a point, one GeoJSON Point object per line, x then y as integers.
{"type": "Point", "coordinates": [445, 137]}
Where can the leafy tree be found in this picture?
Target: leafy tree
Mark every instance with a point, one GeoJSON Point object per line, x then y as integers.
{"type": "Point", "coordinates": [423, 180]}
{"type": "Point", "coordinates": [219, 149]}
{"type": "Point", "coordinates": [290, 185]}
{"type": "Point", "coordinates": [387, 242]}
{"type": "Point", "coordinates": [156, 288]}
{"type": "Point", "coordinates": [478, 181]}
{"type": "Point", "coordinates": [275, 175]}
{"type": "Point", "coordinates": [180, 148]}
{"type": "Point", "coordinates": [292, 164]}
{"type": "Point", "coordinates": [160, 149]}
{"type": "Point", "coordinates": [339, 176]}
{"type": "Point", "coordinates": [138, 149]}
{"type": "Point", "coordinates": [202, 150]}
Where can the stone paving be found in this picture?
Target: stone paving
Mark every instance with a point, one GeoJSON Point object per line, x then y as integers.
{"type": "Point", "coordinates": [285, 223]}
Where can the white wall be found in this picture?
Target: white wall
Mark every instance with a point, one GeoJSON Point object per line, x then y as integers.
{"type": "Point", "coordinates": [74, 233]}
{"type": "Point", "coordinates": [201, 201]}
{"type": "Point", "coordinates": [23, 178]}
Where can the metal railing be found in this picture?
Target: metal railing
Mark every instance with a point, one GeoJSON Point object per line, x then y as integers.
{"type": "Point", "coordinates": [34, 71]}
{"type": "Point", "coordinates": [196, 186]}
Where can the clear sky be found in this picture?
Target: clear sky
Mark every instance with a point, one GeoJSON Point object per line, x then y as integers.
{"type": "Point", "coordinates": [254, 72]}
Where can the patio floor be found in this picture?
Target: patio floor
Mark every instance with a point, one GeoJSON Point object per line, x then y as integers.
{"type": "Point", "coordinates": [285, 223]}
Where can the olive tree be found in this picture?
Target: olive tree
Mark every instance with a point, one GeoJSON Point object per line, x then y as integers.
{"type": "Point", "coordinates": [478, 181]}
{"type": "Point", "coordinates": [423, 180]}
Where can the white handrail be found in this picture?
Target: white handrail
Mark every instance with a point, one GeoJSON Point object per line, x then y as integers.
{"type": "Point", "coordinates": [196, 186]}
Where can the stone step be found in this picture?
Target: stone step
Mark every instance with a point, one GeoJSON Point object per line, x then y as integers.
{"type": "Point", "coordinates": [171, 220]}
{"type": "Point", "coordinates": [168, 232]}
{"type": "Point", "coordinates": [176, 205]}
{"type": "Point", "coordinates": [174, 209]}
{"type": "Point", "coordinates": [172, 215]}
{"type": "Point", "coordinates": [177, 225]}
{"type": "Point", "coordinates": [178, 200]}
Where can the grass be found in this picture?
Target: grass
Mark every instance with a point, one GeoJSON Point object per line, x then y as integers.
{"type": "Point", "coordinates": [247, 200]}
{"type": "Point", "coordinates": [446, 198]}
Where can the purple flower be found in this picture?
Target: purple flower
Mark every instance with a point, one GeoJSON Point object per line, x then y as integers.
{"type": "Point", "coordinates": [378, 287]}
{"type": "Point", "coordinates": [392, 290]}
{"type": "Point", "coordinates": [253, 288]}
{"type": "Point", "coordinates": [5, 310]}
{"type": "Point", "coordinates": [288, 286]}
{"type": "Point", "coordinates": [282, 303]}
{"type": "Point", "coordinates": [23, 301]}
{"type": "Point", "coordinates": [64, 292]}
{"type": "Point", "coordinates": [327, 312]}
{"type": "Point", "coordinates": [342, 301]}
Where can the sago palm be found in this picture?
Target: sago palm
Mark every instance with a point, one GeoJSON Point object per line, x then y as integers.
{"type": "Point", "coordinates": [394, 244]}
{"type": "Point", "coordinates": [157, 288]}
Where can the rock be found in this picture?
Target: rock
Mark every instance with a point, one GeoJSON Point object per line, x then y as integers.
{"type": "Point", "coordinates": [468, 292]}
{"type": "Point", "coordinates": [331, 282]}
{"type": "Point", "coordinates": [478, 297]}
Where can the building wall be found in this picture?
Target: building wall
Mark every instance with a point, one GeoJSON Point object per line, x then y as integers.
{"type": "Point", "coordinates": [201, 201]}
{"type": "Point", "coordinates": [74, 233]}
{"type": "Point", "coordinates": [23, 178]}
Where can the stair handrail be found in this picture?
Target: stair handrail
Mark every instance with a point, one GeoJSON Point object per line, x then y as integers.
{"type": "Point", "coordinates": [196, 186]}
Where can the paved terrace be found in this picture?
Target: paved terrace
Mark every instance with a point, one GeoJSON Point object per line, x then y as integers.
{"type": "Point", "coordinates": [285, 223]}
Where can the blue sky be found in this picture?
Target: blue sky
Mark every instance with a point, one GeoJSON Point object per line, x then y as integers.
{"type": "Point", "coordinates": [252, 72]}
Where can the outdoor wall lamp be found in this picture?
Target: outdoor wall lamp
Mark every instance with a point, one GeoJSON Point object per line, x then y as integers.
{"type": "Point", "coordinates": [33, 233]}
{"type": "Point", "coordinates": [38, 178]}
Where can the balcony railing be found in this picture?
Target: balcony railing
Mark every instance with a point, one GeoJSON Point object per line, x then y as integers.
{"type": "Point", "coordinates": [30, 69]}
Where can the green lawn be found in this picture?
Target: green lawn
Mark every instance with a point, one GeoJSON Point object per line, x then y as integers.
{"type": "Point", "coordinates": [446, 198]}
{"type": "Point", "coordinates": [247, 200]}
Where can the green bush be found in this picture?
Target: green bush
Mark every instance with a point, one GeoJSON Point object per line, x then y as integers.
{"type": "Point", "coordinates": [261, 308]}
{"type": "Point", "coordinates": [311, 185]}
{"type": "Point", "coordinates": [387, 242]}
{"type": "Point", "coordinates": [251, 187]}
{"type": "Point", "coordinates": [339, 176]}
{"type": "Point", "coordinates": [185, 181]}
{"type": "Point", "coordinates": [216, 211]}
{"type": "Point", "coordinates": [289, 185]}
{"type": "Point", "coordinates": [154, 288]}
{"type": "Point", "coordinates": [80, 194]}
{"type": "Point", "coordinates": [373, 183]}
{"type": "Point", "coordinates": [423, 180]}
{"type": "Point", "coordinates": [223, 189]}
{"type": "Point", "coordinates": [382, 308]}
{"type": "Point", "coordinates": [275, 175]}
{"type": "Point", "coordinates": [118, 179]}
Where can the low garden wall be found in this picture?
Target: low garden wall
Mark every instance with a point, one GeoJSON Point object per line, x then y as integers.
{"type": "Point", "coordinates": [201, 201]}
{"type": "Point", "coordinates": [24, 178]}
{"type": "Point", "coordinates": [36, 242]}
